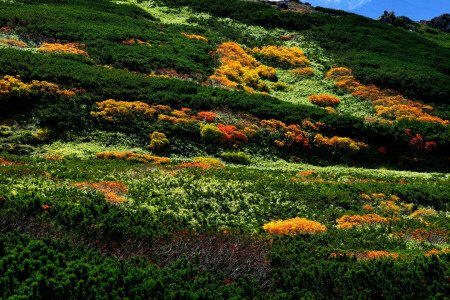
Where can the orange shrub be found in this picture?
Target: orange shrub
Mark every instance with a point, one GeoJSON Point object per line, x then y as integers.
{"type": "Point", "coordinates": [373, 255]}
{"type": "Point", "coordinates": [14, 43]}
{"type": "Point", "coordinates": [5, 162]}
{"type": "Point", "coordinates": [294, 226]}
{"type": "Point", "coordinates": [302, 71]}
{"type": "Point", "coordinates": [180, 119]}
{"type": "Point", "coordinates": [6, 29]}
{"type": "Point", "coordinates": [436, 252]}
{"type": "Point", "coordinates": [193, 36]}
{"type": "Point", "coordinates": [324, 100]}
{"type": "Point", "coordinates": [267, 72]}
{"type": "Point", "coordinates": [72, 48]}
{"type": "Point", "coordinates": [423, 213]}
{"type": "Point", "coordinates": [307, 173]}
{"type": "Point", "coordinates": [347, 221]}
{"type": "Point", "coordinates": [129, 42]}
{"type": "Point", "coordinates": [110, 189]}
{"type": "Point", "coordinates": [207, 116]}
{"type": "Point", "coordinates": [231, 134]}
{"type": "Point", "coordinates": [337, 73]}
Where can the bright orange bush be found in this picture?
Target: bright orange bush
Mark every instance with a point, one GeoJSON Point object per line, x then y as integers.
{"type": "Point", "coordinates": [72, 48]}
{"type": "Point", "coordinates": [231, 134]}
{"type": "Point", "coordinates": [337, 73]}
{"type": "Point", "coordinates": [294, 226]}
{"type": "Point", "coordinates": [347, 221]}
{"type": "Point", "coordinates": [302, 71]}
{"type": "Point", "coordinates": [14, 43]}
{"type": "Point", "coordinates": [324, 100]}
{"type": "Point", "coordinates": [267, 72]}
{"type": "Point", "coordinates": [207, 116]}
{"type": "Point", "coordinates": [193, 36]}
{"type": "Point", "coordinates": [423, 213]}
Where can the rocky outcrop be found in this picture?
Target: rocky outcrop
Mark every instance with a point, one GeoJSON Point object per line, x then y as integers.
{"type": "Point", "coordinates": [442, 22]}
{"type": "Point", "coordinates": [391, 19]}
{"type": "Point", "coordinates": [387, 17]}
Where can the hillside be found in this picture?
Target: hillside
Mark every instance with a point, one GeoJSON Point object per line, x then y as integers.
{"type": "Point", "coordinates": [220, 149]}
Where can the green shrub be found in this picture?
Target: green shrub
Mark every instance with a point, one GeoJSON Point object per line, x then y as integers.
{"type": "Point", "coordinates": [210, 132]}
{"type": "Point", "coordinates": [280, 86]}
{"type": "Point", "coordinates": [237, 157]}
{"type": "Point", "coordinates": [158, 141]}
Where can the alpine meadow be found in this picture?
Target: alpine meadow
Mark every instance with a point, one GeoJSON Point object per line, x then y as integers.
{"type": "Point", "coordinates": [221, 149]}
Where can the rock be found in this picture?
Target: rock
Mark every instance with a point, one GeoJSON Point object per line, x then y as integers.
{"type": "Point", "coordinates": [283, 6]}
{"type": "Point", "coordinates": [387, 17]}
{"type": "Point", "coordinates": [442, 22]}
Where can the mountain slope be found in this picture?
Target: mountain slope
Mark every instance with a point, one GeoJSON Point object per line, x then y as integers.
{"type": "Point", "coordinates": [161, 152]}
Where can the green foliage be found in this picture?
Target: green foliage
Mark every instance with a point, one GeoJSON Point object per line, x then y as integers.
{"type": "Point", "coordinates": [210, 132]}
{"type": "Point", "coordinates": [237, 157]}
{"type": "Point", "coordinates": [55, 269]}
{"type": "Point", "coordinates": [280, 86]}
{"type": "Point", "coordinates": [103, 26]}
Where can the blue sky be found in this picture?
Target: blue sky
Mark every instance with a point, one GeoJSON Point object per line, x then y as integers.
{"type": "Point", "coordinates": [415, 9]}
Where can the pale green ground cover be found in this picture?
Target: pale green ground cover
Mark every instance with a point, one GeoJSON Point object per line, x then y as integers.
{"type": "Point", "coordinates": [261, 163]}
{"type": "Point", "coordinates": [86, 146]}
{"type": "Point", "coordinates": [84, 150]}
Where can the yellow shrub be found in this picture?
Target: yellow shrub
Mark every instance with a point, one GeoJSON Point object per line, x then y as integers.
{"type": "Point", "coordinates": [282, 55]}
{"type": "Point", "coordinates": [211, 162]}
{"type": "Point", "coordinates": [158, 141]}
